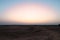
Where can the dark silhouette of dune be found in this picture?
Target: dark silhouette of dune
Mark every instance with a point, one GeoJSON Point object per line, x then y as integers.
{"type": "Point", "coordinates": [33, 32]}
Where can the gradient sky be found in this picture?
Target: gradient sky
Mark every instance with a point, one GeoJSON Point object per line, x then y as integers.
{"type": "Point", "coordinates": [5, 4]}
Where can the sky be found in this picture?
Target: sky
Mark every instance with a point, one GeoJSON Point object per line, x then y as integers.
{"type": "Point", "coordinates": [11, 5]}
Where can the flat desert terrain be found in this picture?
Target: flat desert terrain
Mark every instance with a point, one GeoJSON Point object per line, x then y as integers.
{"type": "Point", "coordinates": [32, 32]}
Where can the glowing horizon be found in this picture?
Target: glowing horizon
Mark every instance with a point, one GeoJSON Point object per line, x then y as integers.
{"type": "Point", "coordinates": [30, 13]}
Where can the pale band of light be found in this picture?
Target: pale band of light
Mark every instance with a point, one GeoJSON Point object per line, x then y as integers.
{"type": "Point", "coordinates": [30, 13]}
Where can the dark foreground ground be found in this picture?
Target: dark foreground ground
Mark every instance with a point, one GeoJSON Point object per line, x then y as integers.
{"type": "Point", "coordinates": [29, 32]}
